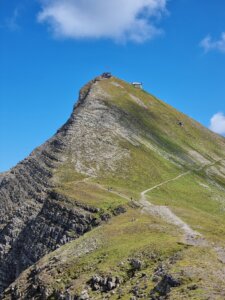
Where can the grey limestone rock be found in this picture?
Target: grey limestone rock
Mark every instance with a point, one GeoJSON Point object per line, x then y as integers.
{"type": "Point", "coordinates": [34, 220]}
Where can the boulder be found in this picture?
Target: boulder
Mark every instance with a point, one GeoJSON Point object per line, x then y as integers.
{"type": "Point", "coordinates": [104, 283]}
{"type": "Point", "coordinates": [136, 264]}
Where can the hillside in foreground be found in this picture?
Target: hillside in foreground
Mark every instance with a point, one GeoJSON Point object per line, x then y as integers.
{"type": "Point", "coordinates": [125, 201]}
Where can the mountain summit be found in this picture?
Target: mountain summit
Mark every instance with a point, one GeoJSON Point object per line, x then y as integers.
{"type": "Point", "coordinates": [125, 201]}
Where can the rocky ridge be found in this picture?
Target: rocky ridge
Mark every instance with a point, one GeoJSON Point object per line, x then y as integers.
{"type": "Point", "coordinates": [58, 206]}
{"type": "Point", "coordinates": [32, 224]}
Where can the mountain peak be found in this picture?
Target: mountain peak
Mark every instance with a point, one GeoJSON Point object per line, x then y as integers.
{"type": "Point", "coordinates": [121, 148]}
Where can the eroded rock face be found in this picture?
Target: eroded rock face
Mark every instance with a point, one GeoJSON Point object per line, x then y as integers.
{"type": "Point", "coordinates": [32, 220]}
{"type": "Point", "coordinates": [23, 192]}
{"type": "Point", "coordinates": [163, 288]}
{"type": "Point", "coordinates": [136, 264]}
{"type": "Point", "coordinates": [54, 226]}
{"type": "Point", "coordinates": [104, 283]}
{"type": "Point", "coordinates": [40, 292]}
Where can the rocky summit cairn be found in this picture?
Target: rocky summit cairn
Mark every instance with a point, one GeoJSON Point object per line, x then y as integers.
{"type": "Point", "coordinates": [121, 202]}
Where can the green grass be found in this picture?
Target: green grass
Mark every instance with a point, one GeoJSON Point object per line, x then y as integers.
{"type": "Point", "coordinates": [198, 265]}
{"type": "Point", "coordinates": [91, 194]}
{"type": "Point", "coordinates": [144, 168]}
{"type": "Point", "coordinates": [198, 202]}
{"type": "Point", "coordinates": [135, 234]}
{"type": "Point", "coordinates": [131, 235]}
{"type": "Point", "coordinates": [75, 186]}
{"type": "Point", "coordinates": [66, 174]}
{"type": "Point", "coordinates": [160, 122]}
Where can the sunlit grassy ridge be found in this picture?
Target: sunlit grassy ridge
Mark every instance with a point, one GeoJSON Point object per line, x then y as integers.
{"type": "Point", "coordinates": [197, 201]}
{"type": "Point", "coordinates": [106, 251]}
{"type": "Point", "coordinates": [162, 151]}
{"type": "Point", "coordinates": [160, 121]}
{"type": "Point", "coordinates": [131, 235]}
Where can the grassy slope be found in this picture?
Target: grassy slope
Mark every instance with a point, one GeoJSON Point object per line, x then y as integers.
{"type": "Point", "coordinates": [198, 201]}
{"type": "Point", "coordinates": [131, 235]}
{"type": "Point", "coordinates": [127, 236]}
{"type": "Point", "coordinates": [137, 235]}
{"type": "Point", "coordinates": [160, 121]}
{"type": "Point", "coordinates": [157, 126]}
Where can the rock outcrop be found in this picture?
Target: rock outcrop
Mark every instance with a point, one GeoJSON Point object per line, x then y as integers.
{"type": "Point", "coordinates": [32, 224]}
{"type": "Point", "coordinates": [73, 217]}
{"type": "Point", "coordinates": [104, 283]}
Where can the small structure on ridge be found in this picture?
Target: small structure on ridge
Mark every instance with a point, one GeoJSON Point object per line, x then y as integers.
{"type": "Point", "coordinates": [106, 75]}
{"type": "Point", "coordinates": [180, 123]}
{"type": "Point", "coordinates": [138, 85]}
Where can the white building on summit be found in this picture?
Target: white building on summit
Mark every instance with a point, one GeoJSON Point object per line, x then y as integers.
{"type": "Point", "coordinates": [138, 85]}
{"type": "Point", "coordinates": [106, 75]}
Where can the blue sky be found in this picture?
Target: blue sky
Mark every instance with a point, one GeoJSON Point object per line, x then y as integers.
{"type": "Point", "coordinates": [50, 48]}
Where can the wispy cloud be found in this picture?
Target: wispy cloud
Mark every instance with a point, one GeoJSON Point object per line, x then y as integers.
{"type": "Point", "coordinates": [12, 22]}
{"type": "Point", "coordinates": [217, 123]}
{"type": "Point", "coordinates": [120, 20]}
{"type": "Point", "coordinates": [208, 44]}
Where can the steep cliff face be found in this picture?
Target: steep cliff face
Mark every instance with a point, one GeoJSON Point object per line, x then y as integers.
{"type": "Point", "coordinates": [23, 193]}
{"type": "Point", "coordinates": [118, 191]}
{"type": "Point", "coordinates": [28, 229]}
{"type": "Point", "coordinates": [88, 142]}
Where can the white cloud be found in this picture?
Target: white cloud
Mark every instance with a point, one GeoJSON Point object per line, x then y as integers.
{"type": "Point", "coordinates": [12, 23]}
{"type": "Point", "coordinates": [208, 44]}
{"type": "Point", "coordinates": [217, 123]}
{"type": "Point", "coordinates": [120, 20]}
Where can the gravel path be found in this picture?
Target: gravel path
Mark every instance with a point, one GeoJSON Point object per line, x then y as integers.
{"type": "Point", "coordinates": [190, 236]}
{"type": "Point", "coordinates": [162, 183]}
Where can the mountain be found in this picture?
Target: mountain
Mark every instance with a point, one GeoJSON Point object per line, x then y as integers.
{"type": "Point", "coordinates": [125, 201]}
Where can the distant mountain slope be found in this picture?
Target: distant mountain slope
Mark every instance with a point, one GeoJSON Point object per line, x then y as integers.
{"type": "Point", "coordinates": [125, 201]}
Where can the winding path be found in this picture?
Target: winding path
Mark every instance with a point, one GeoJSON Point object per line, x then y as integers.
{"type": "Point", "coordinates": [164, 182]}
{"type": "Point", "coordinates": [190, 236]}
